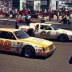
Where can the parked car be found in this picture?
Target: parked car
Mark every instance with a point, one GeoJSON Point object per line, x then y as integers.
{"type": "Point", "coordinates": [18, 41]}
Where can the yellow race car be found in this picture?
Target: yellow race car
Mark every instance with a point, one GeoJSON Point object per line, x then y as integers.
{"type": "Point", "coordinates": [18, 41]}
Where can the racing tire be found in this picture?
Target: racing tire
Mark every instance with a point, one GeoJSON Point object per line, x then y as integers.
{"type": "Point", "coordinates": [62, 38]}
{"type": "Point", "coordinates": [28, 51]}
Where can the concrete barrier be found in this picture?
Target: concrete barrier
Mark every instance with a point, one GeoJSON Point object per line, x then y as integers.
{"type": "Point", "coordinates": [7, 23]}
{"type": "Point", "coordinates": [10, 23]}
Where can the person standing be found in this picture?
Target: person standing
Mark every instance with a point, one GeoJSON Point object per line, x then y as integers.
{"type": "Point", "coordinates": [17, 22]}
{"type": "Point", "coordinates": [28, 19]}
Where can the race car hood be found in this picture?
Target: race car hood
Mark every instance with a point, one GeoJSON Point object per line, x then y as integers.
{"type": "Point", "coordinates": [64, 31]}
{"type": "Point", "coordinates": [37, 41]}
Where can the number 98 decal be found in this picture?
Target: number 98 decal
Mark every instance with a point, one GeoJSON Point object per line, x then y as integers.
{"type": "Point", "coordinates": [6, 44]}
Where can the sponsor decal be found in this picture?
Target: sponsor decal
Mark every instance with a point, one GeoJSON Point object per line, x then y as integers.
{"type": "Point", "coordinates": [6, 44]}
{"type": "Point", "coordinates": [48, 34]}
{"type": "Point", "coordinates": [43, 34]}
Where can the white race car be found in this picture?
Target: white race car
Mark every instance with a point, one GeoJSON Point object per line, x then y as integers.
{"type": "Point", "coordinates": [49, 31]}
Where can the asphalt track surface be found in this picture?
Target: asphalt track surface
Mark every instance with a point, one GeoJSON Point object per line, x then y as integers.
{"type": "Point", "coordinates": [60, 61]}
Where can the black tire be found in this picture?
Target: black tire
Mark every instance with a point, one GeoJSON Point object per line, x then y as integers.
{"type": "Point", "coordinates": [62, 38]}
{"type": "Point", "coordinates": [28, 51]}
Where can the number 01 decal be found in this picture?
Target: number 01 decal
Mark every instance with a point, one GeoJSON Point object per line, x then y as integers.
{"type": "Point", "coordinates": [43, 33]}
{"type": "Point", "coordinates": [48, 34]}
{"type": "Point", "coordinates": [7, 44]}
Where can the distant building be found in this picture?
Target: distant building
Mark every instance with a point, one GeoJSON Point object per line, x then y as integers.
{"type": "Point", "coordinates": [33, 4]}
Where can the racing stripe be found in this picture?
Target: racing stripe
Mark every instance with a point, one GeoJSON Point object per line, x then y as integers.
{"type": "Point", "coordinates": [34, 42]}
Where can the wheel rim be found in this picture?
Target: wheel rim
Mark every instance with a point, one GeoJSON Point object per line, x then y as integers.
{"type": "Point", "coordinates": [27, 52]}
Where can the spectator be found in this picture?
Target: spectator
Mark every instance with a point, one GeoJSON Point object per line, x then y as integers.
{"type": "Point", "coordinates": [1, 12]}
{"type": "Point", "coordinates": [17, 22]}
{"type": "Point", "coordinates": [11, 13]}
{"type": "Point", "coordinates": [23, 18]}
{"type": "Point", "coordinates": [16, 12]}
{"type": "Point", "coordinates": [28, 20]}
{"type": "Point", "coordinates": [25, 11]}
{"type": "Point", "coordinates": [42, 20]}
{"type": "Point", "coordinates": [29, 12]}
{"type": "Point", "coordinates": [71, 15]}
{"type": "Point", "coordinates": [64, 19]}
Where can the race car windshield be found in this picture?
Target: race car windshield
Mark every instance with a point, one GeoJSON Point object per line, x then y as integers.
{"type": "Point", "coordinates": [21, 34]}
{"type": "Point", "coordinates": [55, 28]}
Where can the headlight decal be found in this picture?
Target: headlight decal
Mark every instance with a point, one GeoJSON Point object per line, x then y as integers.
{"type": "Point", "coordinates": [39, 50]}
{"type": "Point", "coordinates": [48, 48]}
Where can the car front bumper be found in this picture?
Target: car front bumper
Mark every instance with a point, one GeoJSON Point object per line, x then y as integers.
{"type": "Point", "coordinates": [47, 53]}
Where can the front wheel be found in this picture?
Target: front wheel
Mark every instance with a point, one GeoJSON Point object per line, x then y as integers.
{"type": "Point", "coordinates": [28, 52]}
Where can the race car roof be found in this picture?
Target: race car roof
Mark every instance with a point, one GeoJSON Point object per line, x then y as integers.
{"type": "Point", "coordinates": [31, 24]}
{"type": "Point", "coordinates": [44, 24]}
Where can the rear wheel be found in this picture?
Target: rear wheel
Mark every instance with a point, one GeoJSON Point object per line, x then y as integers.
{"type": "Point", "coordinates": [62, 38]}
{"type": "Point", "coordinates": [28, 51]}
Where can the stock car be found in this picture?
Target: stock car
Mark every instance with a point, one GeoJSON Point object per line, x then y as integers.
{"type": "Point", "coordinates": [18, 41]}
{"type": "Point", "coordinates": [49, 31]}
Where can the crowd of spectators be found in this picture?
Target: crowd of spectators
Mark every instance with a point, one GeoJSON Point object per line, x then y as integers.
{"type": "Point", "coordinates": [28, 14]}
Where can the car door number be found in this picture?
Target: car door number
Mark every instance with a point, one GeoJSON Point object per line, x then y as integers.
{"type": "Point", "coordinates": [48, 34]}
{"type": "Point", "coordinates": [43, 33]}
{"type": "Point", "coordinates": [5, 44]}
